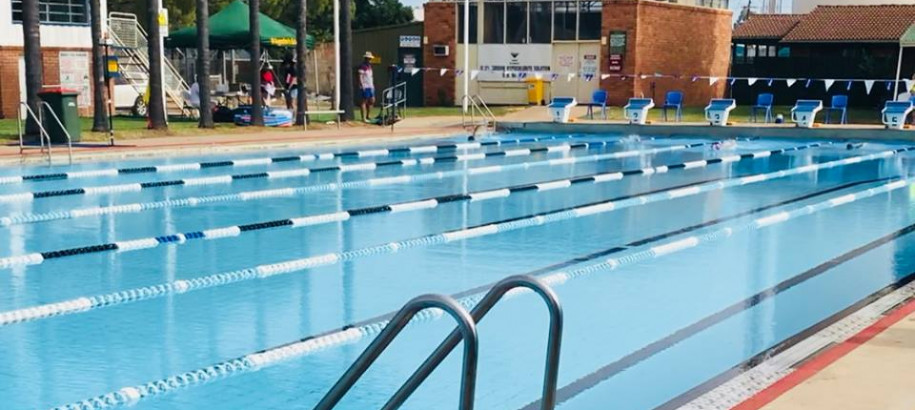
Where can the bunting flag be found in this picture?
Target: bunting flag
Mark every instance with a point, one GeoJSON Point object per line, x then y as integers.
{"type": "Point", "coordinates": [442, 71]}
{"type": "Point", "coordinates": [809, 81]}
{"type": "Point", "coordinates": [458, 72]}
{"type": "Point", "coordinates": [623, 78]}
{"type": "Point", "coordinates": [522, 75]}
{"type": "Point", "coordinates": [588, 77]}
{"type": "Point", "coordinates": [712, 80]}
{"type": "Point", "coordinates": [790, 82]}
{"type": "Point", "coordinates": [733, 80]}
{"type": "Point", "coordinates": [769, 84]}
{"type": "Point", "coordinates": [658, 75]}
{"type": "Point", "coordinates": [909, 84]}
{"type": "Point", "coordinates": [414, 71]}
{"type": "Point", "coordinates": [868, 85]}
{"type": "Point", "coordinates": [695, 78]}
{"type": "Point", "coordinates": [554, 77]}
{"type": "Point", "coordinates": [643, 76]}
{"type": "Point", "coordinates": [848, 87]}
{"type": "Point", "coordinates": [474, 74]}
{"type": "Point", "coordinates": [570, 76]}
{"type": "Point", "coordinates": [604, 76]}
{"type": "Point", "coordinates": [889, 85]}
{"type": "Point", "coordinates": [538, 76]}
{"type": "Point", "coordinates": [829, 83]}
{"type": "Point", "coordinates": [751, 81]}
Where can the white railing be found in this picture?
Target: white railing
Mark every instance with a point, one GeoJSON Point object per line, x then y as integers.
{"type": "Point", "coordinates": [44, 138]}
{"type": "Point", "coordinates": [476, 107]}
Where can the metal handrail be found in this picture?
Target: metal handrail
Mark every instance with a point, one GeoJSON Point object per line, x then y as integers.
{"type": "Point", "coordinates": [390, 101]}
{"type": "Point", "coordinates": [476, 105]}
{"type": "Point", "coordinates": [44, 104]}
{"type": "Point", "coordinates": [468, 332]}
{"type": "Point", "coordinates": [551, 373]}
{"type": "Point", "coordinates": [42, 133]}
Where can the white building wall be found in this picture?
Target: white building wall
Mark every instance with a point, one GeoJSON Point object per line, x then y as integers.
{"type": "Point", "coordinates": [805, 6]}
{"type": "Point", "coordinates": [52, 35]}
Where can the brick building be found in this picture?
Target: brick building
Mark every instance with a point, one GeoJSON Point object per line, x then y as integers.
{"type": "Point", "coordinates": [66, 50]}
{"type": "Point", "coordinates": [570, 44]}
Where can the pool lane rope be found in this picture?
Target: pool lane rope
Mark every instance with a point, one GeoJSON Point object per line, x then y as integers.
{"type": "Point", "coordinates": [421, 204]}
{"type": "Point", "coordinates": [295, 173]}
{"type": "Point", "coordinates": [246, 162]}
{"type": "Point", "coordinates": [87, 303]}
{"type": "Point", "coordinates": [329, 187]}
{"type": "Point", "coordinates": [272, 356]}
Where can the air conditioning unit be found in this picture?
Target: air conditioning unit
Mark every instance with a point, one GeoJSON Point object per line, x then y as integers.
{"type": "Point", "coordinates": [440, 50]}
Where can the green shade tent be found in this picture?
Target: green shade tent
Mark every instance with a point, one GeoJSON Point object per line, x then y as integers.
{"type": "Point", "coordinates": [229, 30]}
{"type": "Point", "coordinates": [906, 41]}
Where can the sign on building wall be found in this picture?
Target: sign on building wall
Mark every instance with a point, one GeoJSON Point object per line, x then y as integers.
{"type": "Point", "coordinates": [74, 74]}
{"type": "Point", "coordinates": [617, 51]}
{"type": "Point", "coordinates": [410, 42]}
{"type": "Point", "coordinates": [500, 62]}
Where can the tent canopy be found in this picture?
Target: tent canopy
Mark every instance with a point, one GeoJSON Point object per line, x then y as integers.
{"type": "Point", "coordinates": [229, 30]}
{"type": "Point", "coordinates": [908, 38]}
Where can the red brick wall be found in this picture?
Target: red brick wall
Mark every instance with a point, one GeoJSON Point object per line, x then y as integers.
{"type": "Point", "coordinates": [9, 76]}
{"type": "Point", "coordinates": [670, 39]}
{"type": "Point", "coordinates": [439, 27]}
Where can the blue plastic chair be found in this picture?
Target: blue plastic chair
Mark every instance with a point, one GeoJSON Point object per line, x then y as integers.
{"type": "Point", "coordinates": [764, 102]}
{"type": "Point", "coordinates": [674, 100]}
{"type": "Point", "coordinates": [839, 103]}
{"type": "Point", "coordinates": [598, 99]}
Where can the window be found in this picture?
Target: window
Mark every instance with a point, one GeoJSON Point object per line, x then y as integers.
{"type": "Point", "coordinates": [494, 23]}
{"type": "Point", "coordinates": [740, 52]}
{"type": "Point", "coordinates": [516, 23]}
{"type": "Point", "coordinates": [56, 11]}
{"type": "Point", "coordinates": [751, 52]}
{"type": "Point", "coordinates": [762, 51]}
{"type": "Point", "coordinates": [784, 52]}
{"type": "Point", "coordinates": [589, 20]}
{"type": "Point", "coordinates": [541, 22]}
{"type": "Point", "coordinates": [565, 24]}
{"type": "Point", "coordinates": [473, 24]}
{"type": "Point", "coordinates": [771, 51]}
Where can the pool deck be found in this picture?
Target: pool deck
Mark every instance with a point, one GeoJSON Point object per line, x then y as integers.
{"type": "Point", "coordinates": [871, 370]}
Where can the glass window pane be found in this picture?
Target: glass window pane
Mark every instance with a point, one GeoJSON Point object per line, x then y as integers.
{"type": "Point", "coordinates": [589, 20]}
{"type": "Point", "coordinates": [56, 11]}
{"type": "Point", "coordinates": [541, 22]}
{"type": "Point", "coordinates": [784, 52]}
{"type": "Point", "coordinates": [473, 24]}
{"type": "Point", "coordinates": [516, 22]}
{"type": "Point", "coordinates": [564, 24]}
{"type": "Point", "coordinates": [494, 23]}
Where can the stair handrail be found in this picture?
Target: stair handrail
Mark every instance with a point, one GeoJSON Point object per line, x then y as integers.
{"type": "Point", "coordinates": [476, 106]}
{"type": "Point", "coordinates": [485, 109]}
{"type": "Point", "coordinates": [42, 133]}
{"type": "Point", "coordinates": [551, 372]}
{"type": "Point", "coordinates": [467, 331]}
{"type": "Point", "coordinates": [44, 104]}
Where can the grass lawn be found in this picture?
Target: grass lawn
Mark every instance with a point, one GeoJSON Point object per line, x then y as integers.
{"type": "Point", "coordinates": [742, 115]}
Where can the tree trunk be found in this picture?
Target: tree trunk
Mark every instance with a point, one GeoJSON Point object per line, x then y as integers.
{"type": "Point", "coordinates": [99, 87]}
{"type": "Point", "coordinates": [203, 63]}
{"type": "Point", "coordinates": [257, 99]}
{"type": "Point", "coordinates": [301, 51]}
{"type": "Point", "coordinates": [156, 105]}
{"type": "Point", "coordinates": [346, 59]}
{"type": "Point", "coordinates": [33, 64]}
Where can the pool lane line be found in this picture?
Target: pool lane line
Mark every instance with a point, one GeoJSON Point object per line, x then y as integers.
{"type": "Point", "coordinates": [275, 355]}
{"type": "Point", "coordinates": [238, 163]}
{"type": "Point", "coordinates": [416, 205]}
{"type": "Point", "coordinates": [330, 187]}
{"type": "Point", "coordinates": [86, 303]}
{"type": "Point", "coordinates": [617, 366]}
{"type": "Point", "coordinates": [294, 173]}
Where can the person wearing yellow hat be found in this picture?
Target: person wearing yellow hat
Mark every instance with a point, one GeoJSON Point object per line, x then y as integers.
{"type": "Point", "coordinates": [367, 85]}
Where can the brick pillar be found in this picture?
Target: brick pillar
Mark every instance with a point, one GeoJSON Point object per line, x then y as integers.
{"type": "Point", "coordinates": [439, 28]}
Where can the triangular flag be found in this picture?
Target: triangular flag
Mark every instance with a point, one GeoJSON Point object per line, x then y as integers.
{"type": "Point", "coordinates": [414, 71]}
{"type": "Point", "coordinates": [751, 81]}
{"type": "Point", "coordinates": [570, 76]}
{"type": "Point", "coordinates": [554, 77]}
{"type": "Point", "coordinates": [538, 76]}
{"type": "Point", "coordinates": [733, 80]}
{"type": "Point", "coordinates": [808, 83]}
{"type": "Point", "coordinates": [458, 72]}
{"type": "Point", "coordinates": [658, 75]}
{"type": "Point", "coordinates": [790, 82]}
{"type": "Point", "coordinates": [712, 80]}
{"type": "Point", "coordinates": [848, 87]}
{"type": "Point", "coordinates": [909, 84]}
{"type": "Point", "coordinates": [643, 76]}
{"type": "Point", "coordinates": [769, 84]}
{"type": "Point", "coordinates": [829, 83]}
{"type": "Point", "coordinates": [695, 78]}
{"type": "Point", "coordinates": [604, 76]}
{"type": "Point", "coordinates": [868, 84]}
{"type": "Point", "coordinates": [522, 75]}
{"type": "Point", "coordinates": [474, 74]}
{"type": "Point", "coordinates": [889, 85]}
{"type": "Point", "coordinates": [442, 71]}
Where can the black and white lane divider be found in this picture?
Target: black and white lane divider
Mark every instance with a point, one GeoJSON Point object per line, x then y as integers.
{"type": "Point", "coordinates": [176, 287]}
{"type": "Point", "coordinates": [279, 354]}
{"type": "Point", "coordinates": [238, 163]}
{"type": "Point", "coordinates": [329, 187]}
{"type": "Point", "coordinates": [296, 173]}
{"type": "Point", "coordinates": [421, 204]}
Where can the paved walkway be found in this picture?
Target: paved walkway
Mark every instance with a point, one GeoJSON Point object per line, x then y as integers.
{"type": "Point", "coordinates": [872, 370]}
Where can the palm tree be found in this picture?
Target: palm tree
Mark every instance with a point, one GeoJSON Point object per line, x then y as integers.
{"type": "Point", "coordinates": [203, 63]}
{"type": "Point", "coordinates": [301, 51]}
{"type": "Point", "coordinates": [99, 87]}
{"type": "Point", "coordinates": [33, 66]}
{"type": "Point", "coordinates": [257, 100]}
{"type": "Point", "coordinates": [156, 105]}
{"type": "Point", "coordinates": [346, 59]}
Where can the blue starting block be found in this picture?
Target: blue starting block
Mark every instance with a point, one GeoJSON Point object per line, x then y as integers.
{"type": "Point", "coordinates": [719, 110]}
{"type": "Point", "coordinates": [805, 112]}
{"type": "Point", "coordinates": [637, 110]}
{"type": "Point", "coordinates": [561, 108]}
{"type": "Point", "coordinates": [895, 114]}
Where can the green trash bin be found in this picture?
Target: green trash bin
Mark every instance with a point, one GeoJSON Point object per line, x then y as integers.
{"type": "Point", "coordinates": [63, 102]}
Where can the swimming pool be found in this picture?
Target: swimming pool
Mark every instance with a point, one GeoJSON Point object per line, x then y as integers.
{"type": "Point", "coordinates": [254, 281]}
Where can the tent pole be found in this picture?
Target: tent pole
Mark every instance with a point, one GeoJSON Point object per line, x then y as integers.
{"type": "Point", "coordinates": [466, 56]}
{"type": "Point", "coordinates": [898, 73]}
{"type": "Point", "coordinates": [337, 56]}
{"type": "Point", "coordinates": [314, 55]}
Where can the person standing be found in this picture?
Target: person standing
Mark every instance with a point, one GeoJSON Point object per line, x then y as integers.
{"type": "Point", "coordinates": [367, 85]}
{"type": "Point", "coordinates": [290, 80]}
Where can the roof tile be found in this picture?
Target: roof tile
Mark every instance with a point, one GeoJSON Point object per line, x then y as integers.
{"type": "Point", "coordinates": [877, 23]}
{"type": "Point", "coordinates": [766, 26]}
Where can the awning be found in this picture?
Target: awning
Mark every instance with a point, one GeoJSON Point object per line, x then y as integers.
{"type": "Point", "coordinates": [229, 29]}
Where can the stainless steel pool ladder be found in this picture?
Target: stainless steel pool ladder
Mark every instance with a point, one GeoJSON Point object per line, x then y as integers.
{"type": "Point", "coordinates": [43, 136]}
{"type": "Point", "coordinates": [476, 107]}
{"type": "Point", "coordinates": [551, 372]}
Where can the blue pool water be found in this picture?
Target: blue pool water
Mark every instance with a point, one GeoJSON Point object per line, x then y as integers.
{"type": "Point", "coordinates": [103, 304]}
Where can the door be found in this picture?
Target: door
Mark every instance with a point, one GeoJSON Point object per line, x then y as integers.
{"type": "Point", "coordinates": [410, 58]}
{"type": "Point", "coordinates": [583, 62]}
